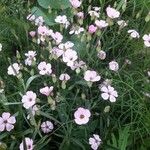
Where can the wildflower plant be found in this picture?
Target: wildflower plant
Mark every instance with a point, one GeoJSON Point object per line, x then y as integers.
{"type": "Point", "coordinates": [71, 86]}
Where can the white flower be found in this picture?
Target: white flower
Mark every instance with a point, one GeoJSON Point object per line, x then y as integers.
{"type": "Point", "coordinates": [77, 30]}
{"type": "Point", "coordinates": [31, 17]}
{"type": "Point", "coordinates": [1, 47]}
{"type": "Point", "coordinates": [28, 99]}
{"type": "Point", "coordinates": [91, 76]}
{"type": "Point", "coordinates": [94, 13]}
{"type": "Point", "coordinates": [27, 144]}
{"type": "Point", "coordinates": [61, 19]}
{"type": "Point", "coordinates": [47, 90]}
{"type": "Point", "coordinates": [30, 57]}
{"type": "Point", "coordinates": [112, 13]}
{"type": "Point", "coordinates": [69, 57]}
{"type": "Point", "coordinates": [97, 9]}
{"type": "Point", "coordinates": [101, 23]}
{"type": "Point", "coordinates": [148, 72]}
{"type": "Point", "coordinates": [82, 116]}
{"type": "Point", "coordinates": [134, 33]}
{"type": "Point", "coordinates": [114, 66]}
{"type": "Point", "coordinates": [65, 46]}
{"type": "Point", "coordinates": [109, 93]}
{"type": "Point", "coordinates": [7, 122]}
{"type": "Point", "coordinates": [146, 39]}
{"type": "Point", "coordinates": [64, 77]}
{"type": "Point", "coordinates": [122, 23]}
{"type": "Point", "coordinates": [44, 68]}
{"type": "Point", "coordinates": [47, 126]}
{"type": "Point", "coordinates": [95, 141]}
{"type": "Point", "coordinates": [13, 69]}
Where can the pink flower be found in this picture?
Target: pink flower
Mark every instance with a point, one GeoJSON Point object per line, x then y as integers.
{"type": "Point", "coordinates": [28, 143]}
{"type": "Point", "coordinates": [95, 141]}
{"type": "Point", "coordinates": [112, 13]}
{"type": "Point", "coordinates": [32, 33]}
{"type": "Point", "coordinates": [7, 122]}
{"type": "Point", "coordinates": [69, 57]}
{"type": "Point", "coordinates": [101, 23]}
{"type": "Point", "coordinates": [91, 76]}
{"type": "Point", "coordinates": [146, 39]}
{"type": "Point", "coordinates": [80, 15]}
{"type": "Point", "coordinates": [64, 77]}
{"type": "Point", "coordinates": [47, 126]}
{"type": "Point", "coordinates": [109, 93]}
{"type": "Point", "coordinates": [28, 99]}
{"type": "Point", "coordinates": [82, 116]}
{"type": "Point", "coordinates": [42, 30]}
{"type": "Point", "coordinates": [65, 46]}
{"type": "Point", "coordinates": [92, 29]}
{"type": "Point", "coordinates": [114, 66]}
{"type": "Point", "coordinates": [47, 90]}
{"type": "Point", "coordinates": [44, 68]}
{"type": "Point", "coordinates": [57, 37]}
{"type": "Point", "coordinates": [75, 3]}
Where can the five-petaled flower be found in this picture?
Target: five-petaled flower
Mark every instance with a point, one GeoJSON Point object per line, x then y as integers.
{"type": "Point", "coordinates": [47, 126]}
{"type": "Point", "coordinates": [91, 76]}
{"type": "Point", "coordinates": [29, 99]}
{"type": "Point", "coordinates": [7, 122]}
{"type": "Point", "coordinates": [82, 116]}
{"type": "Point", "coordinates": [109, 93]}
{"type": "Point", "coordinates": [95, 141]}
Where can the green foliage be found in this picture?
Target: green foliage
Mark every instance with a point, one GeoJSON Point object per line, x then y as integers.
{"type": "Point", "coordinates": [59, 4]}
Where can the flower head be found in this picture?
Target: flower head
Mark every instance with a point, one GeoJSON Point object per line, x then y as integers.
{"type": "Point", "coordinates": [91, 76]}
{"type": "Point", "coordinates": [134, 33]}
{"type": "Point", "coordinates": [114, 66]}
{"type": "Point", "coordinates": [109, 93]}
{"type": "Point", "coordinates": [44, 68]}
{"type": "Point", "coordinates": [95, 141]}
{"type": "Point", "coordinates": [112, 13]}
{"type": "Point", "coordinates": [61, 19]}
{"type": "Point", "coordinates": [47, 90]}
{"type": "Point", "coordinates": [102, 55]}
{"type": "Point", "coordinates": [27, 144]}
{"type": "Point", "coordinates": [92, 29]}
{"type": "Point", "coordinates": [30, 57]}
{"type": "Point", "coordinates": [28, 99]}
{"type": "Point", "coordinates": [75, 3]}
{"type": "Point", "coordinates": [47, 126]}
{"type": "Point", "coordinates": [57, 36]}
{"type": "Point", "coordinates": [13, 69]}
{"type": "Point", "coordinates": [64, 77]}
{"type": "Point", "coordinates": [146, 39]}
{"type": "Point", "coordinates": [7, 122]}
{"type": "Point", "coordinates": [69, 57]}
{"type": "Point", "coordinates": [0, 47]}
{"type": "Point", "coordinates": [101, 23]}
{"type": "Point", "coordinates": [82, 116]}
